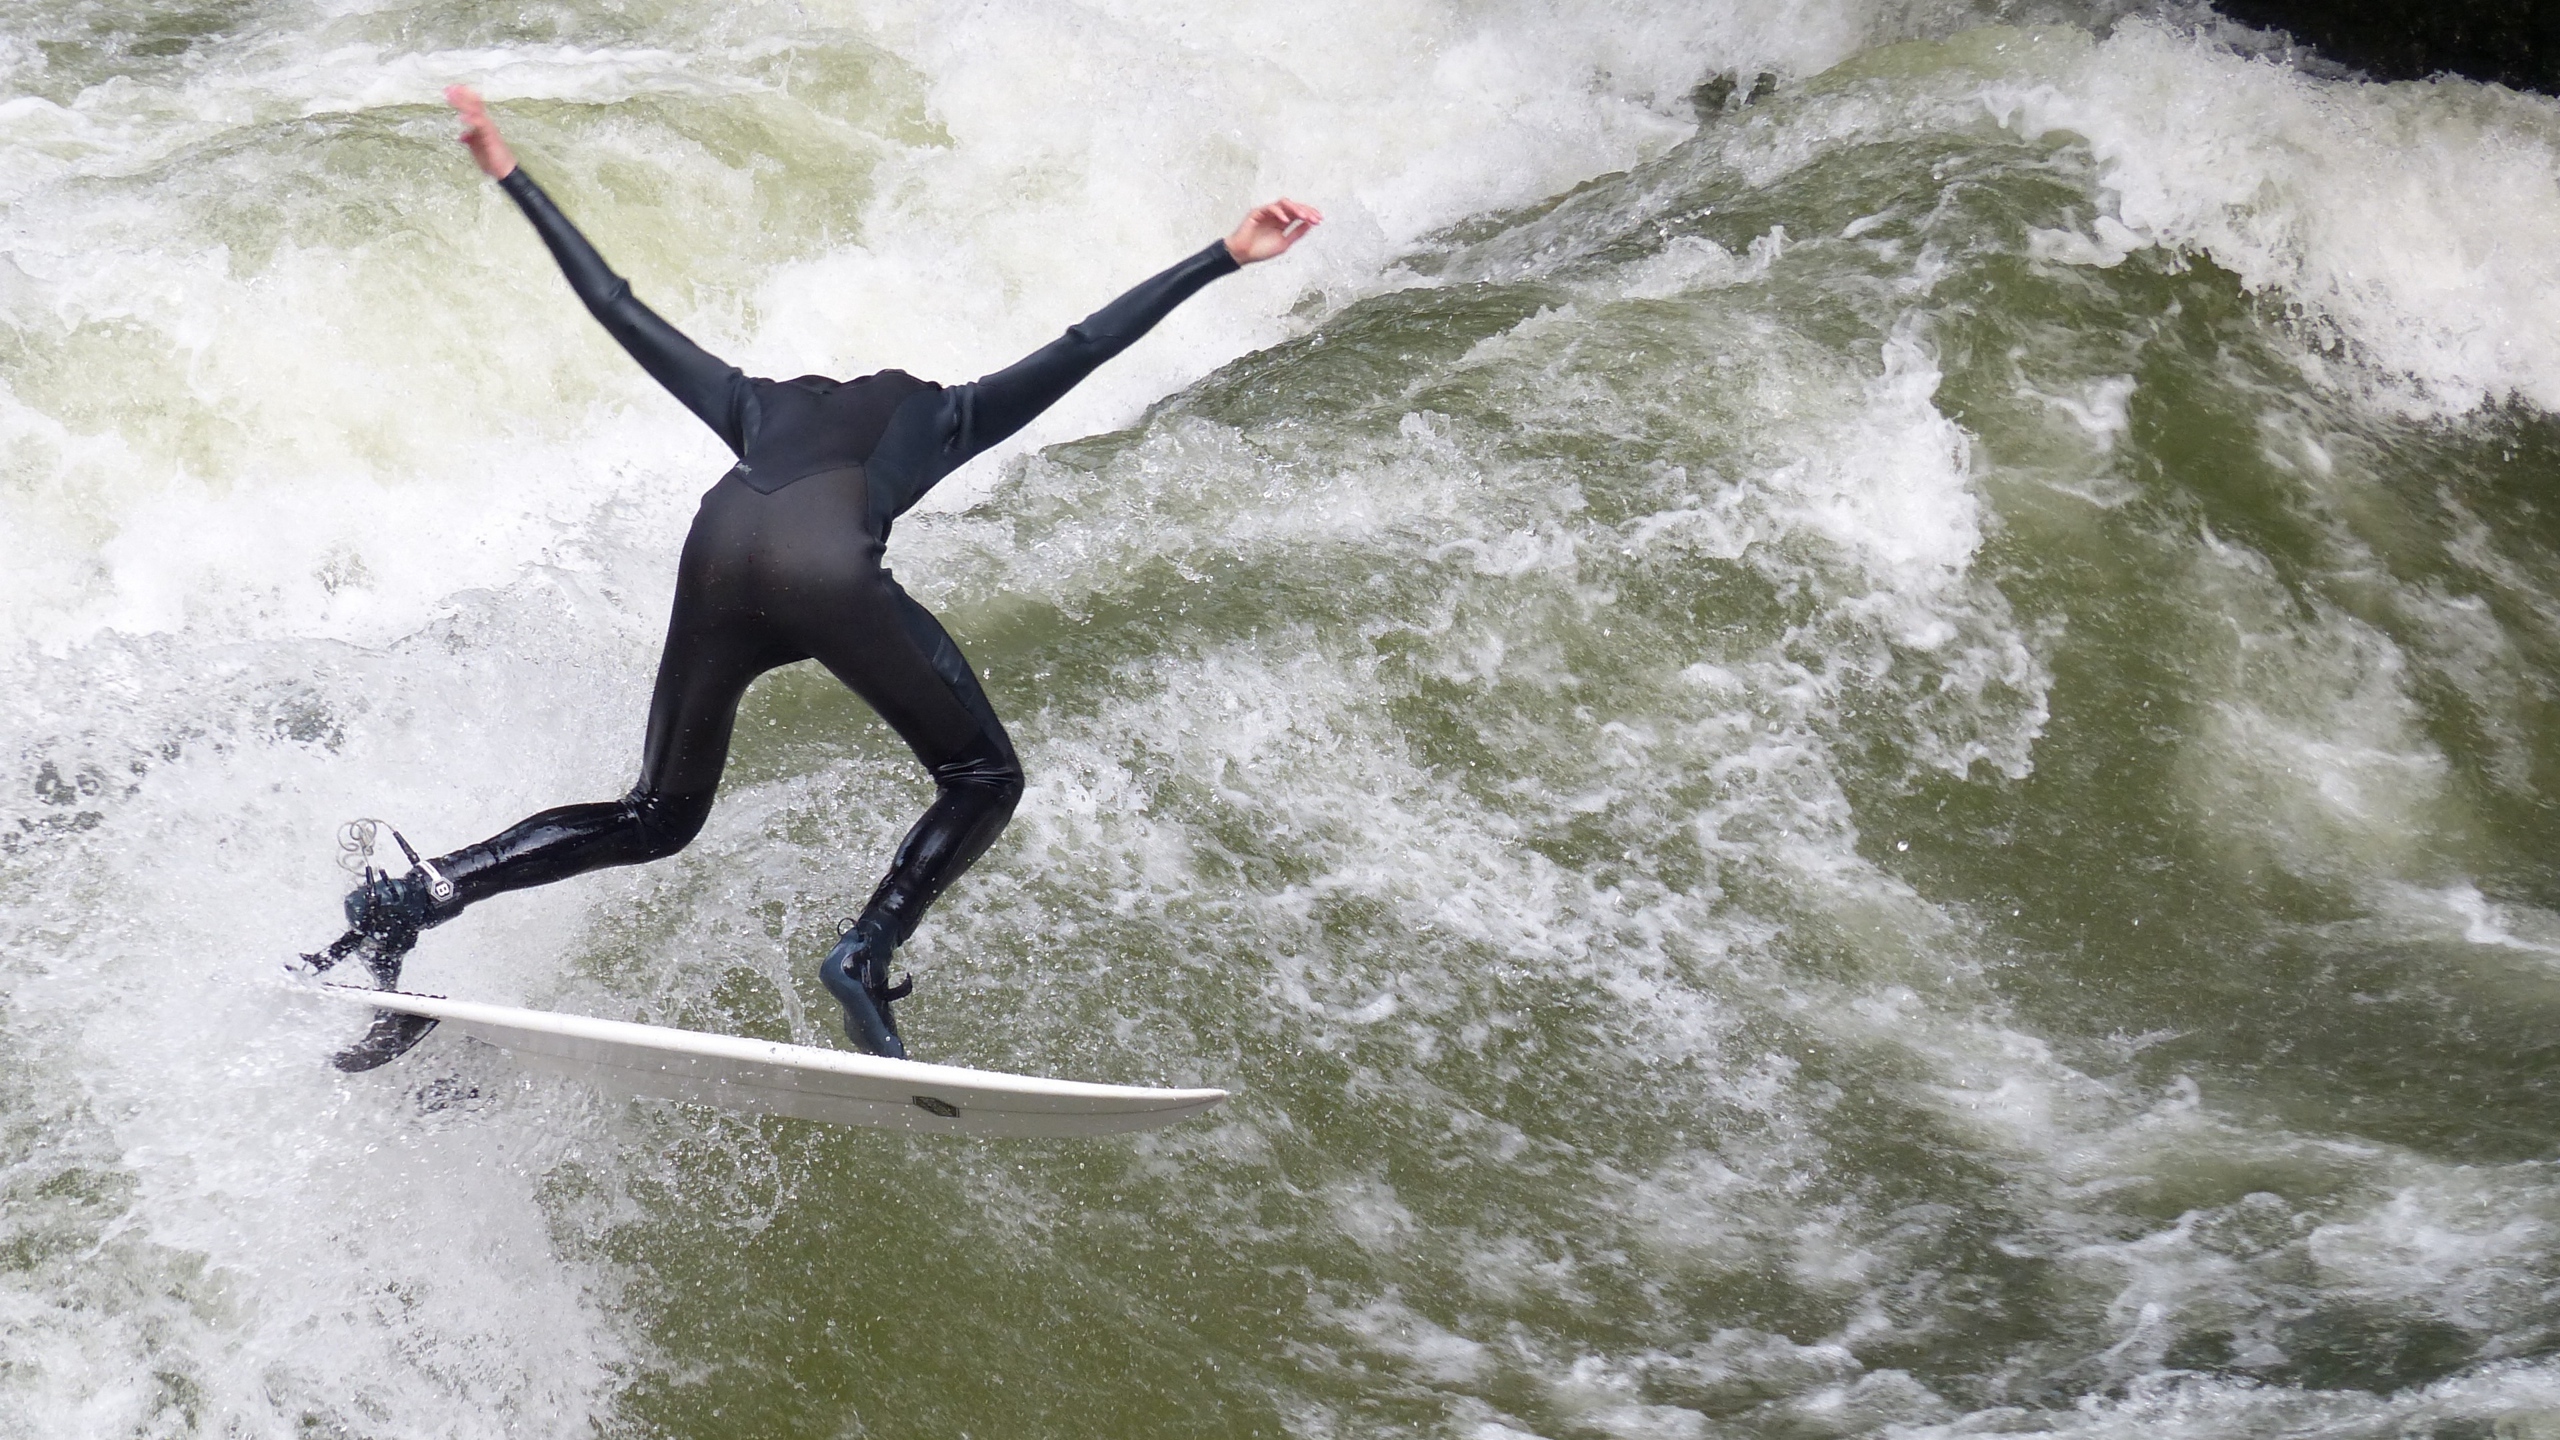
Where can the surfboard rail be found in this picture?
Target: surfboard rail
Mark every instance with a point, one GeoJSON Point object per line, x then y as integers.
{"type": "Point", "coordinates": [769, 1077]}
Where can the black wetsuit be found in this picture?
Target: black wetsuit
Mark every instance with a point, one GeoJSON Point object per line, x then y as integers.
{"type": "Point", "coordinates": [784, 564]}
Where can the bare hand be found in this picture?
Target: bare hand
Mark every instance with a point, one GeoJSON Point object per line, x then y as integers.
{"type": "Point", "coordinates": [1272, 229]}
{"type": "Point", "coordinates": [480, 133]}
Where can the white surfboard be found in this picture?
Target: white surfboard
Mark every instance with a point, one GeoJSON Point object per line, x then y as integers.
{"type": "Point", "coordinates": [767, 1077]}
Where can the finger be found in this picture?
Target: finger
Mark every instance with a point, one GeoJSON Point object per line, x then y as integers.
{"type": "Point", "coordinates": [1289, 217]}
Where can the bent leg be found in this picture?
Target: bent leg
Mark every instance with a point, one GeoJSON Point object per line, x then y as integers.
{"type": "Point", "coordinates": [709, 661]}
{"type": "Point", "coordinates": [700, 679]}
{"type": "Point", "coordinates": [570, 840]}
{"type": "Point", "coordinates": [892, 652]}
{"type": "Point", "coordinates": [979, 789]}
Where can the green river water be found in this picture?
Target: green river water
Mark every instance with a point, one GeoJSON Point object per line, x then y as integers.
{"type": "Point", "coordinates": [1865, 753]}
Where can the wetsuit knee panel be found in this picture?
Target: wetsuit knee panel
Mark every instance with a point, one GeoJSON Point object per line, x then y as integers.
{"type": "Point", "coordinates": [996, 782]}
{"type": "Point", "coordinates": [988, 767]}
{"type": "Point", "coordinates": [667, 823]}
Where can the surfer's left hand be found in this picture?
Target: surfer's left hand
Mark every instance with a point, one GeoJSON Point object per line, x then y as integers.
{"type": "Point", "coordinates": [1271, 229]}
{"type": "Point", "coordinates": [480, 133]}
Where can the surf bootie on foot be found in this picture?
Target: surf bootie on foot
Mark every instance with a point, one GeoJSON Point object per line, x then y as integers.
{"type": "Point", "coordinates": [384, 916]}
{"type": "Point", "coordinates": [384, 947]}
{"type": "Point", "coordinates": [386, 912]}
{"type": "Point", "coordinates": [392, 1033]}
{"type": "Point", "coordinates": [856, 972]}
{"type": "Point", "coordinates": [388, 906]}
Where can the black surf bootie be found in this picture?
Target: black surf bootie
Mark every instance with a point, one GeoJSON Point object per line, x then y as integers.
{"type": "Point", "coordinates": [384, 916]}
{"type": "Point", "coordinates": [398, 906]}
{"type": "Point", "coordinates": [383, 948]}
{"type": "Point", "coordinates": [856, 972]}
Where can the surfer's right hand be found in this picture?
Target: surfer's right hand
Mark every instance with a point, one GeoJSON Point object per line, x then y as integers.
{"type": "Point", "coordinates": [480, 133]}
{"type": "Point", "coordinates": [1272, 229]}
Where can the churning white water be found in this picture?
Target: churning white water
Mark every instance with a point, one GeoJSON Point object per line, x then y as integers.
{"type": "Point", "coordinates": [1863, 752]}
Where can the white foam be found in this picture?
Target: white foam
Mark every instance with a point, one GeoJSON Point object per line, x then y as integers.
{"type": "Point", "coordinates": [313, 472]}
{"type": "Point", "coordinates": [2385, 211]}
{"type": "Point", "coordinates": [2315, 757]}
{"type": "Point", "coordinates": [392, 536]}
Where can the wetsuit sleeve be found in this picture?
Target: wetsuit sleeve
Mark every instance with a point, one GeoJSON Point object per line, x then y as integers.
{"type": "Point", "coordinates": [941, 430]}
{"type": "Point", "coordinates": [709, 387]}
{"type": "Point", "coordinates": [993, 408]}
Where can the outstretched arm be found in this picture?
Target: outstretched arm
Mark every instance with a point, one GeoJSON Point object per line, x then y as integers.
{"type": "Point", "coordinates": [710, 388]}
{"type": "Point", "coordinates": [1011, 398]}
{"type": "Point", "coordinates": [965, 420]}
{"type": "Point", "coordinates": [992, 408]}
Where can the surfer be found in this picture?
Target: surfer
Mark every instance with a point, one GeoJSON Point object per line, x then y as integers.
{"type": "Point", "coordinates": [784, 564]}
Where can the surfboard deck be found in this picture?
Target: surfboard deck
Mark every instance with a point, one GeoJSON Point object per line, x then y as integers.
{"type": "Point", "coordinates": [766, 1077]}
